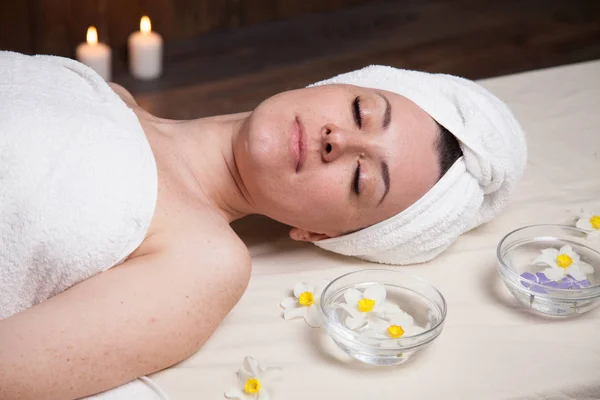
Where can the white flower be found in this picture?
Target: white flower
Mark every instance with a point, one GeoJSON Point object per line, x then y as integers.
{"type": "Point", "coordinates": [563, 262]}
{"type": "Point", "coordinates": [305, 303]}
{"type": "Point", "coordinates": [386, 332]}
{"type": "Point", "coordinates": [363, 306]}
{"type": "Point", "coordinates": [254, 381]}
{"type": "Point", "coordinates": [591, 224]}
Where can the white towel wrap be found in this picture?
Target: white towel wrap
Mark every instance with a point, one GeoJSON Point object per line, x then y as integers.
{"type": "Point", "coordinates": [78, 180]}
{"type": "Point", "coordinates": [473, 191]}
{"type": "Point", "coordinates": [78, 184]}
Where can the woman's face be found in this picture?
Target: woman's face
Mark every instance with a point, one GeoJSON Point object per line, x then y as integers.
{"type": "Point", "coordinates": [334, 159]}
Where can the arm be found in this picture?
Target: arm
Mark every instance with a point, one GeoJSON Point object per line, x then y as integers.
{"type": "Point", "coordinates": [140, 317]}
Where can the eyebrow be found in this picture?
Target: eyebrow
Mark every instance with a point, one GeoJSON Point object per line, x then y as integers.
{"type": "Point", "coordinates": [385, 175]}
{"type": "Point", "coordinates": [387, 114]}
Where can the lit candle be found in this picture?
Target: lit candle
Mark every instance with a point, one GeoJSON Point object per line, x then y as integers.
{"type": "Point", "coordinates": [145, 52]}
{"type": "Point", "coordinates": [95, 55]}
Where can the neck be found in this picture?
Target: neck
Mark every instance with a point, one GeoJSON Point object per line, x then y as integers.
{"type": "Point", "coordinates": [205, 157]}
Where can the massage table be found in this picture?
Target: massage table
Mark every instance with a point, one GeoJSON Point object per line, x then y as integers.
{"type": "Point", "coordinates": [491, 347]}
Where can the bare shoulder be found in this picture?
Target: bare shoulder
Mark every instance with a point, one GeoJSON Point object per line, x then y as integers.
{"type": "Point", "coordinates": [123, 93]}
{"type": "Point", "coordinates": [201, 242]}
{"type": "Point", "coordinates": [218, 245]}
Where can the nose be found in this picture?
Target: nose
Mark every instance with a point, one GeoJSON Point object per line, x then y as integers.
{"type": "Point", "coordinates": [337, 141]}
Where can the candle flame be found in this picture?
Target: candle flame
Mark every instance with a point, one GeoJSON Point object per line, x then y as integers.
{"type": "Point", "coordinates": [92, 35]}
{"type": "Point", "coordinates": [145, 24]}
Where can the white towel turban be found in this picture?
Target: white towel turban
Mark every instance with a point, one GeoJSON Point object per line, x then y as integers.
{"type": "Point", "coordinates": [473, 191]}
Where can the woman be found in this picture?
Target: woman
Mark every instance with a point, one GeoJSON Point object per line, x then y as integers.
{"type": "Point", "coordinates": [333, 161]}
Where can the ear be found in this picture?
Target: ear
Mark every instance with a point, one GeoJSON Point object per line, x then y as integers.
{"type": "Point", "coordinates": [302, 235]}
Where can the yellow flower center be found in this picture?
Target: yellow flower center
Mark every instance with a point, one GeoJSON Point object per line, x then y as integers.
{"type": "Point", "coordinates": [366, 305]}
{"type": "Point", "coordinates": [395, 331]}
{"type": "Point", "coordinates": [306, 299]}
{"type": "Point", "coordinates": [564, 261]}
{"type": "Point", "coordinates": [252, 386]}
{"type": "Point", "coordinates": [595, 221]}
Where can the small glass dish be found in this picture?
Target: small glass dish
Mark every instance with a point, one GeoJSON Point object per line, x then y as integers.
{"type": "Point", "coordinates": [424, 304]}
{"type": "Point", "coordinates": [527, 280]}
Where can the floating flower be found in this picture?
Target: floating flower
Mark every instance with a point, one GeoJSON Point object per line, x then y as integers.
{"type": "Point", "coordinates": [562, 263]}
{"type": "Point", "coordinates": [254, 381]}
{"type": "Point", "coordinates": [591, 224]}
{"type": "Point", "coordinates": [386, 332]}
{"type": "Point", "coordinates": [305, 303]}
{"type": "Point", "coordinates": [363, 306]}
{"type": "Point", "coordinates": [568, 282]}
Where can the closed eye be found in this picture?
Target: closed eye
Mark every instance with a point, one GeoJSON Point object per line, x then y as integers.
{"type": "Point", "coordinates": [356, 111]}
{"type": "Point", "coordinates": [356, 182]}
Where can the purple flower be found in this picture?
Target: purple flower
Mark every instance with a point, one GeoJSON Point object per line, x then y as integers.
{"type": "Point", "coordinates": [539, 278]}
{"type": "Point", "coordinates": [568, 282]}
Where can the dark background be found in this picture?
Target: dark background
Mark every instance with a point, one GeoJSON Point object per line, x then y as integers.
{"type": "Point", "coordinates": [225, 56]}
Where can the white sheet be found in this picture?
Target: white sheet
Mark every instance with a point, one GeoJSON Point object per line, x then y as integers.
{"type": "Point", "coordinates": [491, 348]}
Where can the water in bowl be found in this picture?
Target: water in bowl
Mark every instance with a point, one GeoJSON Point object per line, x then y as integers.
{"type": "Point", "coordinates": [426, 314]}
{"type": "Point", "coordinates": [519, 257]}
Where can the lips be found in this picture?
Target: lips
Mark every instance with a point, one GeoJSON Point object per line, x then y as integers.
{"type": "Point", "coordinates": [298, 144]}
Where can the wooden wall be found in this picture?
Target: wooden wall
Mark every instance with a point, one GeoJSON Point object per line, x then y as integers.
{"type": "Point", "coordinates": [57, 26]}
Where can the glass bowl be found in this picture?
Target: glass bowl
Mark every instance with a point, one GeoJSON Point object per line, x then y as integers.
{"type": "Point", "coordinates": [390, 345]}
{"type": "Point", "coordinates": [534, 283]}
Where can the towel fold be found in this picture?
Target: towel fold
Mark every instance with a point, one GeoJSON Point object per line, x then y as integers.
{"type": "Point", "coordinates": [474, 190]}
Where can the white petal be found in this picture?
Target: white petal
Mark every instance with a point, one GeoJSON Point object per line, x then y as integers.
{"type": "Point", "coordinates": [289, 302]}
{"type": "Point", "coordinates": [263, 395]}
{"type": "Point", "coordinates": [403, 319]}
{"type": "Point", "coordinates": [235, 394]}
{"type": "Point", "coordinates": [355, 323]}
{"type": "Point", "coordinates": [576, 273]}
{"type": "Point", "coordinates": [376, 292]}
{"type": "Point", "coordinates": [548, 256]}
{"type": "Point", "coordinates": [271, 375]}
{"type": "Point", "coordinates": [319, 286]}
{"type": "Point", "coordinates": [313, 316]}
{"type": "Point", "coordinates": [585, 267]}
{"type": "Point", "coordinates": [251, 365]}
{"type": "Point", "coordinates": [541, 259]}
{"type": "Point", "coordinates": [300, 288]}
{"type": "Point", "coordinates": [243, 376]}
{"type": "Point", "coordinates": [352, 310]}
{"type": "Point", "coordinates": [571, 253]}
{"type": "Point", "coordinates": [594, 235]}
{"type": "Point", "coordinates": [353, 296]}
{"type": "Point", "coordinates": [387, 308]}
{"type": "Point", "coordinates": [550, 252]}
{"type": "Point", "coordinates": [292, 313]}
{"type": "Point", "coordinates": [554, 274]}
{"type": "Point", "coordinates": [554, 264]}
{"type": "Point", "coordinates": [584, 224]}
{"type": "Point", "coordinates": [565, 249]}
{"type": "Point", "coordinates": [378, 325]}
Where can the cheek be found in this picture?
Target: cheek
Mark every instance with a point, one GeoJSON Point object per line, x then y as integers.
{"type": "Point", "coordinates": [265, 143]}
{"type": "Point", "coordinates": [324, 191]}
